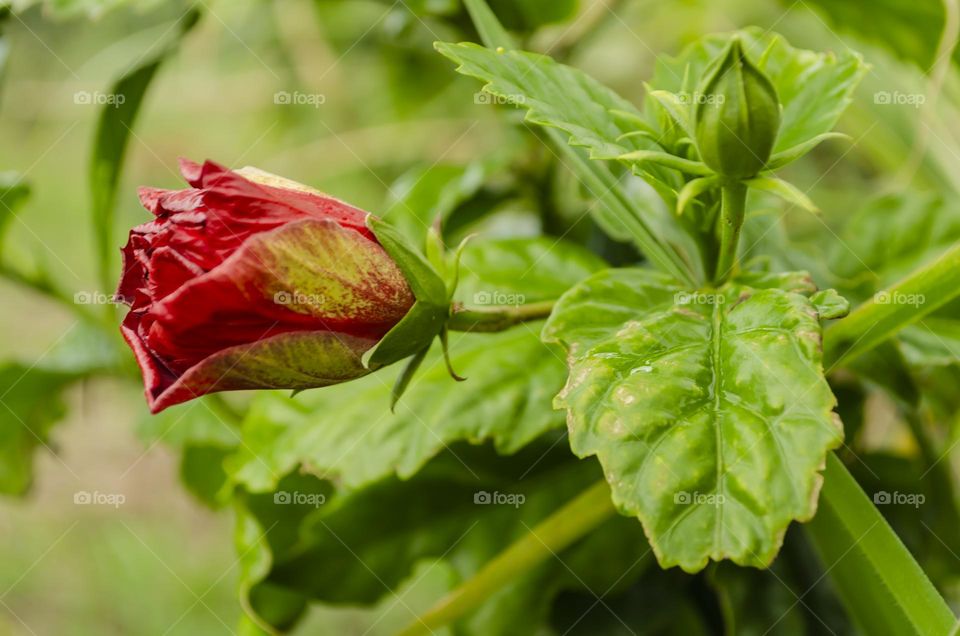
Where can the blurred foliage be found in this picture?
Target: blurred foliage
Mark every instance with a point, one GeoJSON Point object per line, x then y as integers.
{"type": "Point", "coordinates": [399, 132]}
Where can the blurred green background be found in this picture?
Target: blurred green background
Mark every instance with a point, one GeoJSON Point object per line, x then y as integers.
{"type": "Point", "coordinates": [161, 563]}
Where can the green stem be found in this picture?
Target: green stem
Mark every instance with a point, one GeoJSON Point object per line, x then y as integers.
{"type": "Point", "coordinates": [575, 519]}
{"type": "Point", "coordinates": [498, 318]}
{"type": "Point", "coordinates": [733, 199]}
{"type": "Point", "coordinates": [889, 311]}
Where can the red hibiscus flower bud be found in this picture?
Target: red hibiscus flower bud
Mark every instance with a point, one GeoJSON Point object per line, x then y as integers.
{"type": "Point", "coordinates": [247, 280]}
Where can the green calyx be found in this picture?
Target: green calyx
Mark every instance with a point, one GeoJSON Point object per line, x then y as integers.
{"type": "Point", "coordinates": [737, 115]}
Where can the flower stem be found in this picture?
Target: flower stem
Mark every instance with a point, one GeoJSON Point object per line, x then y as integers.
{"type": "Point", "coordinates": [497, 318]}
{"type": "Point", "coordinates": [733, 198]}
{"type": "Point", "coordinates": [575, 519]}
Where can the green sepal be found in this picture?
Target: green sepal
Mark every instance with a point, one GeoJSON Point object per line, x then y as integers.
{"type": "Point", "coordinates": [782, 158]}
{"type": "Point", "coordinates": [429, 313]}
{"type": "Point", "coordinates": [433, 248]}
{"type": "Point", "coordinates": [403, 380]}
{"type": "Point", "coordinates": [414, 332]}
{"type": "Point", "coordinates": [427, 285]}
{"type": "Point", "coordinates": [693, 189]}
{"type": "Point", "coordinates": [445, 345]}
{"type": "Point", "coordinates": [667, 160]}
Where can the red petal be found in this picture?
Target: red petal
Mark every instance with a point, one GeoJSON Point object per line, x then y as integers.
{"type": "Point", "coordinates": [304, 276]}
{"type": "Point", "coordinates": [300, 360]}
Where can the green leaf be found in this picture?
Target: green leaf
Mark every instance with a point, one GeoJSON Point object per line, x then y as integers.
{"type": "Point", "coordinates": [707, 409]}
{"type": "Point", "coordinates": [830, 305]}
{"type": "Point", "coordinates": [880, 583]}
{"type": "Point", "coordinates": [519, 271]}
{"type": "Point", "coordinates": [488, 26]}
{"type": "Point", "coordinates": [785, 190]}
{"type": "Point", "coordinates": [31, 400]}
{"type": "Point", "coordinates": [201, 471]}
{"type": "Point", "coordinates": [561, 97]}
{"type": "Point", "coordinates": [114, 127]}
{"type": "Point", "coordinates": [464, 522]}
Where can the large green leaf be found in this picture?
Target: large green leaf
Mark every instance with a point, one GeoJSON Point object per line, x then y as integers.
{"type": "Point", "coordinates": [708, 410]}
{"type": "Point", "coordinates": [564, 98]}
{"type": "Point", "coordinates": [114, 127]}
{"type": "Point", "coordinates": [454, 524]}
{"type": "Point", "coordinates": [350, 432]}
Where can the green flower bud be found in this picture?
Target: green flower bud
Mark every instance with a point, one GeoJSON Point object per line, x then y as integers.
{"type": "Point", "coordinates": [737, 115]}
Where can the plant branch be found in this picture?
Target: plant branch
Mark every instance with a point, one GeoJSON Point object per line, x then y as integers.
{"type": "Point", "coordinates": [575, 519]}
{"type": "Point", "coordinates": [498, 318]}
{"type": "Point", "coordinates": [732, 203]}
